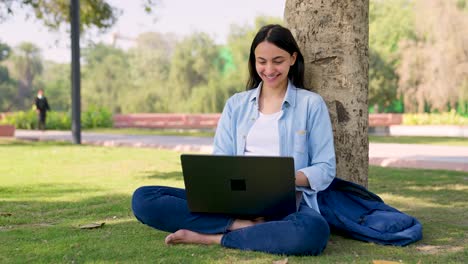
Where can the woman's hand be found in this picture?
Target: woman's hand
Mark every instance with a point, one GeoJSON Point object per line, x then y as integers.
{"type": "Point", "coordinates": [301, 179]}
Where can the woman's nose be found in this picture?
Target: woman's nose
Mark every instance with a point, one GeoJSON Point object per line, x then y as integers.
{"type": "Point", "coordinates": [269, 67]}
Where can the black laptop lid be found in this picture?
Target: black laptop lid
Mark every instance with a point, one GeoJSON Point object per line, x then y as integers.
{"type": "Point", "coordinates": [239, 185]}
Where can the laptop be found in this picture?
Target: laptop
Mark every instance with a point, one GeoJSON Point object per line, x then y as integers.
{"type": "Point", "coordinates": [241, 186]}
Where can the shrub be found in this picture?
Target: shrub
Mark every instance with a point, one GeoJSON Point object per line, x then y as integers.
{"type": "Point", "coordinates": [92, 118]}
{"type": "Point", "coordinates": [96, 117]}
{"type": "Point", "coordinates": [21, 119]}
{"type": "Point", "coordinates": [448, 118]}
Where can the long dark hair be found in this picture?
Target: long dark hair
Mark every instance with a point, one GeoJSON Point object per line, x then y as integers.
{"type": "Point", "coordinates": [283, 39]}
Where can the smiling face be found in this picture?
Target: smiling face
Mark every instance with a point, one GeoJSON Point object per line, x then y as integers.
{"type": "Point", "coordinates": [272, 65]}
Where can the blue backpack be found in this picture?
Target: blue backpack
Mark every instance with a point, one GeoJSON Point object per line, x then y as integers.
{"type": "Point", "coordinates": [354, 211]}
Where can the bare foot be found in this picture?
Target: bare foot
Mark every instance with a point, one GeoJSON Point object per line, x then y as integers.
{"type": "Point", "coordinates": [184, 236]}
{"type": "Point", "coordinates": [242, 223]}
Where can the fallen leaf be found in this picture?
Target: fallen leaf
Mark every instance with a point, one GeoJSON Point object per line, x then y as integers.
{"type": "Point", "coordinates": [432, 249]}
{"type": "Point", "coordinates": [92, 226]}
{"type": "Point", "coordinates": [385, 262]}
{"type": "Point", "coordinates": [283, 261]}
{"type": "Point", "coordinates": [5, 214]}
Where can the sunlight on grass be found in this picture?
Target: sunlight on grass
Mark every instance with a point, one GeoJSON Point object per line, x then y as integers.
{"type": "Point", "coordinates": [408, 203]}
{"type": "Point", "coordinates": [453, 187]}
{"type": "Point", "coordinates": [441, 141]}
{"type": "Point", "coordinates": [48, 190]}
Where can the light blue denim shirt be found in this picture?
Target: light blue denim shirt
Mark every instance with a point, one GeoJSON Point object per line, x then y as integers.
{"type": "Point", "coordinates": [305, 133]}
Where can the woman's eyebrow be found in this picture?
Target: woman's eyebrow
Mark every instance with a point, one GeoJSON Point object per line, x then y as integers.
{"type": "Point", "coordinates": [275, 58]}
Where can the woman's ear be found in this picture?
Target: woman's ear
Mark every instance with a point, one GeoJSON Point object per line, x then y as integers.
{"type": "Point", "coordinates": [293, 58]}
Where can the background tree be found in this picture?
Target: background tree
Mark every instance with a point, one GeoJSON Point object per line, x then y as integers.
{"type": "Point", "coordinates": [196, 59]}
{"type": "Point", "coordinates": [55, 13]}
{"type": "Point", "coordinates": [440, 53]}
{"type": "Point", "coordinates": [7, 85]}
{"type": "Point", "coordinates": [55, 80]}
{"type": "Point", "coordinates": [390, 21]}
{"type": "Point", "coordinates": [149, 63]}
{"type": "Point", "coordinates": [333, 35]}
{"type": "Point", "coordinates": [105, 77]}
{"type": "Point", "coordinates": [26, 65]}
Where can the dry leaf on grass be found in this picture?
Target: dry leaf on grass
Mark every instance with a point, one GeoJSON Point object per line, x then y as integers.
{"type": "Point", "coordinates": [283, 261]}
{"type": "Point", "coordinates": [385, 262]}
{"type": "Point", "coordinates": [5, 214]}
{"type": "Point", "coordinates": [92, 226]}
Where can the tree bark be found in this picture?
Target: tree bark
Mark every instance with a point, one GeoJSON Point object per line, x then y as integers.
{"type": "Point", "coordinates": [333, 37]}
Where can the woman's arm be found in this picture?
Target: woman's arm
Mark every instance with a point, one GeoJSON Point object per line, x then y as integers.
{"type": "Point", "coordinates": [223, 140]}
{"type": "Point", "coordinates": [322, 165]}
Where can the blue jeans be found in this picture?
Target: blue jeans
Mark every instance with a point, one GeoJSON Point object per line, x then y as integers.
{"type": "Point", "coordinates": [304, 232]}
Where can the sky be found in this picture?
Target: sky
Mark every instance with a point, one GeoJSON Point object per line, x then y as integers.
{"type": "Point", "coordinates": [179, 16]}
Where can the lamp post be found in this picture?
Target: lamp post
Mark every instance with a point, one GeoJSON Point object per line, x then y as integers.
{"type": "Point", "coordinates": [75, 68]}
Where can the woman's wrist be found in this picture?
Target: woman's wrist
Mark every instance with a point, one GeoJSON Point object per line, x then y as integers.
{"type": "Point", "coordinates": [301, 179]}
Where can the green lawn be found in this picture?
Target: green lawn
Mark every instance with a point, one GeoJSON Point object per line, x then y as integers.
{"type": "Point", "coordinates": [445, 141]}
{"type": "Point", "coordinates": [158, 132]}
{"type": "Point", "coordinates": [50, 189]}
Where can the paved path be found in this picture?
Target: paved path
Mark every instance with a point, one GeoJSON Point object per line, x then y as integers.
{"type": "Point", "coordinates": [386, 155]}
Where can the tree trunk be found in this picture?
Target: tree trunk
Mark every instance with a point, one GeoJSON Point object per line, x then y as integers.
{"type": "Point", "coordinates": [333, 37]}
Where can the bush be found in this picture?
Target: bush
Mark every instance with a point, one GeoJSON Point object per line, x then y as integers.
{"type": "Point", "coordinates": [448, 118]}
{"type": "Point", "coordinates": [21, 119]}
{"type": "Point", "coordinates": [96, 117]}
{"type": "Point", "coordinates": [92, 118]}
{"type": "Point", "coordinates": [58, 120]}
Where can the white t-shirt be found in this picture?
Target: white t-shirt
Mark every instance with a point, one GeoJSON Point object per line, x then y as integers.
{"type": "Point", "coordinates": [263, 137]}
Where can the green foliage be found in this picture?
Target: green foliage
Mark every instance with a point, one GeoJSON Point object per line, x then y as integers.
{"type": "Point", "coordinates": [55, 80]}
{"type": "Point", "coordinates": [390, 21]}
{"type": "Point", "coordinates": [94, 117]}
{"type": "Point", "coordinates": [7, 84]}
{"type": "Point", "coordinates": [57, 121]}
{"type": "Point", "coordinates": [105, 77]}
{"type": "Point", "coordinates": [448, 118]}
{"type": "Point", "coordinates": [21, 119]}
{"type": "Point", "coordinates": [25, 66]}
{"type": "Point", "coordinates": [56, 13]}
{"type": "Point", "coordinates": [382, 82]}
{"type": "Point", "coordinates": [196, 59]}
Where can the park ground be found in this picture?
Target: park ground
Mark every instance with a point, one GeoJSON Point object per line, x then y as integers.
{"type": "Point", "coordinates": [50, 189]}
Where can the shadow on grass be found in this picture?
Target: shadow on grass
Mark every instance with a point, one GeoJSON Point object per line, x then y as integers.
{"type": "Point", "coordinates": [48, 232]}
{"type": "Point", "coordinates": [44, 190]}
{"type": "Point", "coordinates": [32, 143]}
{"type": "Point", "coordinates": [435, 186]}
{"type": "Point", "coordinates": [437, 198]}
{"type": "Point", "coordinates": [172, 175]}
{"type": "Point", "coordinates": [127, 241]}
{"type": "Point", "coordinates": [124, 239]}
{"type": "Point", "coordinates": [33, 210]}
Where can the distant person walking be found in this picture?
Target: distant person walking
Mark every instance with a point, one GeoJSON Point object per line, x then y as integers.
{"type": "Point", "coordinates": [42, 106]}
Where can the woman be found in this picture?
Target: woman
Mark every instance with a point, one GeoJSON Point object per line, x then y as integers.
{"type": "Point", "coordinates": [276, 116]}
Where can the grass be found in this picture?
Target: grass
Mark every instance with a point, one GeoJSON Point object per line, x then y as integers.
{"type": "Point", "coordinates": [50, 189]}
{"type": "Point", "coordinates": [158, 132]}
{"type": "Point", "coordinates": [443, 141]}
{"type": "Point", "coordinates": [447, 141]}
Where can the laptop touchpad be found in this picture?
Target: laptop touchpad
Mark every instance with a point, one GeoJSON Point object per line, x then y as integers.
{"type": "Point", "coordinates": [238, 185]}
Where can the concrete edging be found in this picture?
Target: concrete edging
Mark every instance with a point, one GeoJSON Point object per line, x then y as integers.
{"type": "Point", "coordinates": [434, 131]}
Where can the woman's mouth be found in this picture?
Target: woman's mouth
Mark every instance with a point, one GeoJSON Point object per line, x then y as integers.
{"type": "Point", "coordinates": [271, 77]}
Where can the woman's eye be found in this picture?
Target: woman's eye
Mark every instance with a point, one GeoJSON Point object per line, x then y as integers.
{"type": "Point", "coordinates": [278, 62]}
